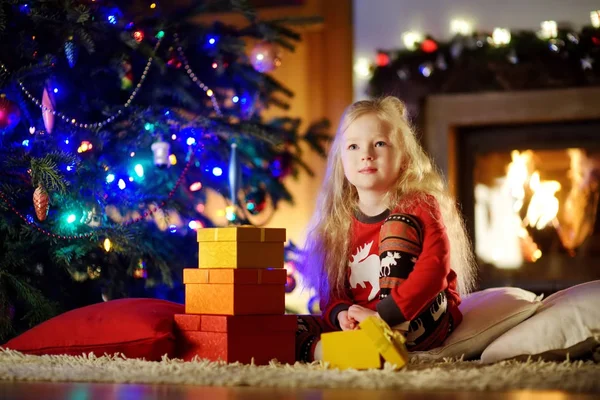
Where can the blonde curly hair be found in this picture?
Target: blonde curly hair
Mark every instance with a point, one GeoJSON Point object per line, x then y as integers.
{"type": "Point", "coordinates": [326, 251]}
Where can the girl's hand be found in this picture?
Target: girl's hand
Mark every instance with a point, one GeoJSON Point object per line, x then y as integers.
{"type": "Point", "coordinates": [346, 323]}
{"type": "Point", "coordinates": [359, 313]}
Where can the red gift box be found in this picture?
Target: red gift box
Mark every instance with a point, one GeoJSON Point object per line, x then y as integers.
{"type": "Point", "coordinates": [234, 338]}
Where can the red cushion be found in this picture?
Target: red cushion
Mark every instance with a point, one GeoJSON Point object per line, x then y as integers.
{"type": "Point", "coordinates": [138, 328]}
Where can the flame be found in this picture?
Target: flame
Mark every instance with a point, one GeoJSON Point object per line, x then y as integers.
{"type": "Point", "coordinates": [578, 213]}
{"type": "Point", "coordinates": [522, 200]}
{"type": "Point", "coordinates": [544, 205]}
{"type": "Point", "coordinates": [517, 175]}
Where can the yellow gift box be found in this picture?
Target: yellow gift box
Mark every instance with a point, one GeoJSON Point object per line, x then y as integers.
{"type": "Point", "coordinates": [389, 343]}
{"type": "Point", "coordinates": [241, 247]}
{"type": "Point", "coordinates": [364, 348]}
{"type": "Point", "coordinates": [350, 349]}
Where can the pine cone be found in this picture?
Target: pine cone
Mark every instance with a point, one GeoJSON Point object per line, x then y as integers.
{"type": "Point", "coordinates": [71, 52]}
{"type": "Point", "coordinates": [40, 202]}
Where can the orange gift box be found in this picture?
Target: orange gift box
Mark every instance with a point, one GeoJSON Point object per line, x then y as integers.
{"type": "Point", "coordinates": [234, 291]}
{"type": "Point", "coordinates": [236, 338]}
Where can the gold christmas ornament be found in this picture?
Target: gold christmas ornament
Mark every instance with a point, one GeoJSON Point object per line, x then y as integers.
{"type": "Point", "coordinates": [41, 202]}
{"type": "Point", "coordinates": [94, 271]}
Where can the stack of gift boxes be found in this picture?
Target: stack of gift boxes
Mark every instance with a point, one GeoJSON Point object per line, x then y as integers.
{"type": "Point", "coordinates": [235, 308]}
{"type": "Point", "coordinates": [235, 299]}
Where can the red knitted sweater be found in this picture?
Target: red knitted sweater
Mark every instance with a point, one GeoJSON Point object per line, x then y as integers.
{"type": "Point", "coordinates": [430, 275]}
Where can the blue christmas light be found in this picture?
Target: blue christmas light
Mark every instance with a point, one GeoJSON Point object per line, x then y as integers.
{"type": "Point", "coordinates": [276, 168]}
{"type": "Point", "coordinates": [110, 178]}
{"type": "Point", "coordinates": [139, 170]}
{"type": "Point", "coordinates": [172, 228]}
{"type": "Point", "coordinates": [122, 184]}
{"type": "Point", "coordinates": [71, 218]}
{"type": "Point", "coordinates": [190, 141]}
{"type": "Point", "coordinates": [112, 19]}
{"type": "Point", "coordinates": [217, 171]}
{"type": "Point", "coordinates": [211, 41]}
{"type": "Point", "coordinates": [70, 168]}
{"type": "Point", "coordinates": [25, 143]}
{"type": "Point", "coordinates": [425, 70]}
{"type": "Point", "coordinates": [235, 99]}
{"type": "Point", "coordinates": [55, 90]}
{"type": "Point", "coordinates": [66, 141]}
{"type": "Point", "coordinates": [29, 218]}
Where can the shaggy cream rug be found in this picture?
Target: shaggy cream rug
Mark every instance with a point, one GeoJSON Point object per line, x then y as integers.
{"type": "Point", "coordinates": [578, 376]}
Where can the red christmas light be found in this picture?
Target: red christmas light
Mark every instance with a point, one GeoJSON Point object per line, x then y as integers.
{"type": "Point", "coordinates": [429, 46]}
{"type": "Point", "coordinates": [138, 36]}
{"type": "Point", "coordinates": [383, 59]}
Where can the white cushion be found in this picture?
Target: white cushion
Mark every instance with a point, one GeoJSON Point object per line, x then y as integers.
{"type": "Point", "coordinates": [487, 314]}
{"type": "Point", "coordinates": [567, 322]}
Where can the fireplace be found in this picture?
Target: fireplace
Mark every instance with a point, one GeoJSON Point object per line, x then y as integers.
{"type": "Point", "coordinates": [525, 168]}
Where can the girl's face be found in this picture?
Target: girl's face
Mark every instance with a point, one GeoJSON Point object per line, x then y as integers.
{"type": "Point", "coordinates": [370, 160]}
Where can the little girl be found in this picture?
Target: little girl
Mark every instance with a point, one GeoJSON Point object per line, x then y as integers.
{"type": "Point", "coordinates": [386, 239]}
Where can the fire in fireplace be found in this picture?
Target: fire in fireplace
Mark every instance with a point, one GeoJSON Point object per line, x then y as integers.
{"type": "Point", "coordinates": [536, 204]}
{"type": "Point", "coordinates": [532, 210]}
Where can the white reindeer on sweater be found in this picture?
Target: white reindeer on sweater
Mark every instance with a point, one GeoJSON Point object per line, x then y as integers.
{"type": "Point", "coordinates": [365, 268]}
{"type": "Point", "coordinates": [387, 262]}
{"type": "Point", "coordinates": [439, 307]}
{"type": "Point", "coordinates": [417, 329]}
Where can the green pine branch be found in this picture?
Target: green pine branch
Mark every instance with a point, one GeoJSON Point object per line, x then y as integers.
{"type": "Point", "coordinates": [38, 306]}
{"type": "Point", "coordinates": [243, 7]}
{"type": "Point", "coordinates": [317, 138]}
{"type": "Point", "coordinates": [45, 171]}
{"type": "Point", "coordinates": [80, 14]}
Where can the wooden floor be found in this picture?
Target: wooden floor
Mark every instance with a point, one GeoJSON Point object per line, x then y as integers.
{"type": "Point", "coordinates": [89, 391]}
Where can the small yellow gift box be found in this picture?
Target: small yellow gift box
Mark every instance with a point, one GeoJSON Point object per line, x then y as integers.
{"type": "Point", "coordinates": [365, 347]}
{"type": "Point", "coordinates": [241, 247]}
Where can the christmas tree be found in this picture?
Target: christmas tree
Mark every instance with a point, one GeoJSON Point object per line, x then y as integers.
{"type": "Point", "coordinates": [116, 119]}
